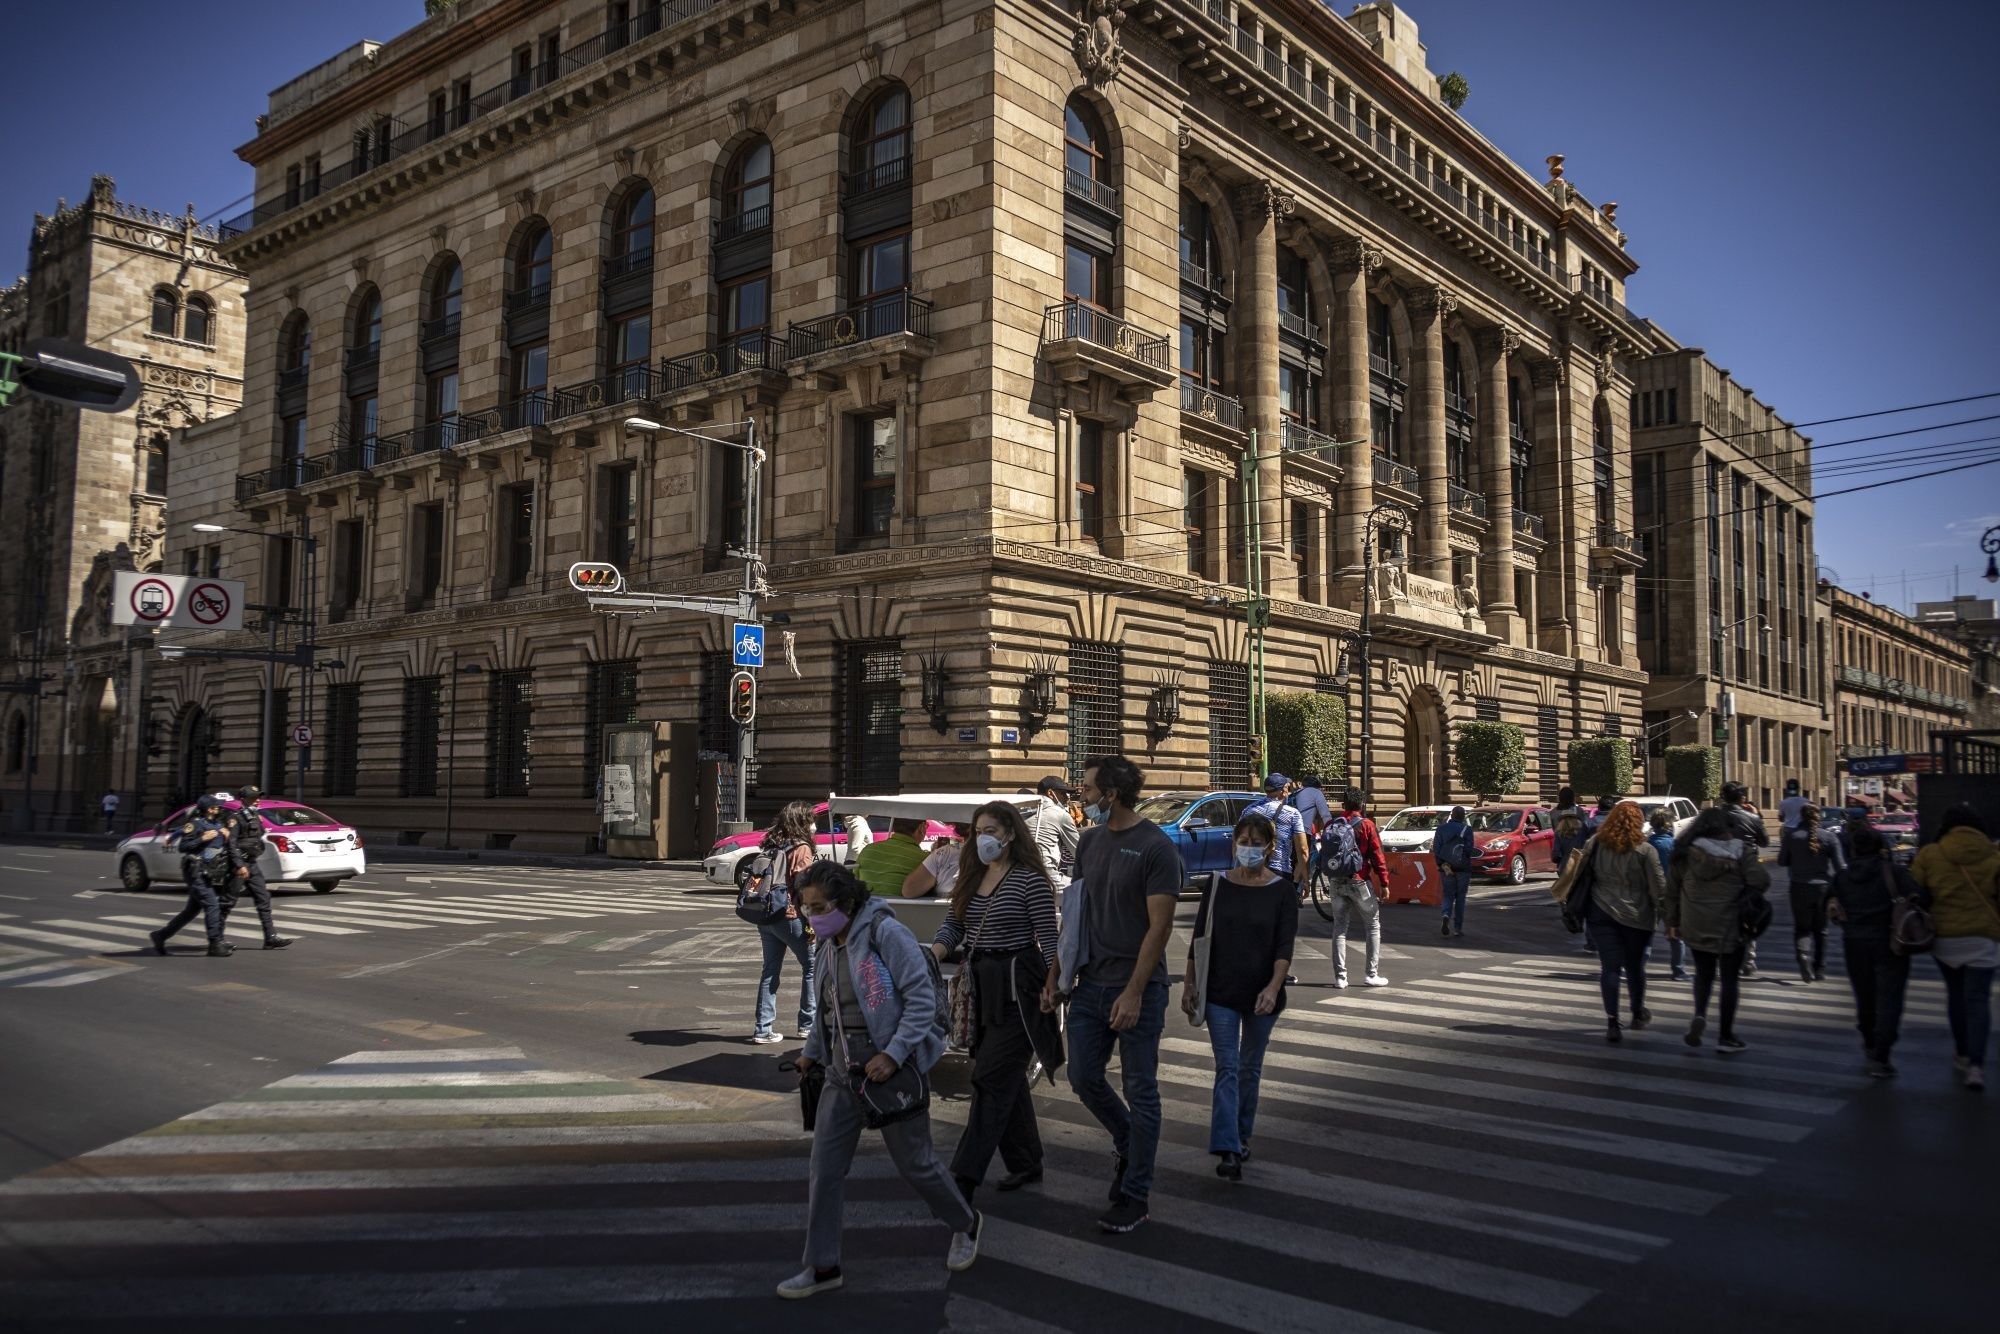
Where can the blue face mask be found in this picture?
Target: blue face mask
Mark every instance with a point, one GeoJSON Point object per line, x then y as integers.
{"type": "Point", "coordinates": [1097, 814]}
{"type": "Point", "coordinates": [1250, 856]}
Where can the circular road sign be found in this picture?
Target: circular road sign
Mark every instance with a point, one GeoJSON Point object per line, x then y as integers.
{"type": "Point", "coordinates": [302, 735]}
{"type": "Point", "coordinates": [152, 599]}
{"type": "Point", "coordinates": [209, 603]}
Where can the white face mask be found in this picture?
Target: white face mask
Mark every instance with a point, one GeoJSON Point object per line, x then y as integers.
{"type": "Point", "coordinates": [991, 849]}
{"type": "Point", "coordinates": [1250, 856]}
{"type": "Point", "coordinates": [1097, 814]}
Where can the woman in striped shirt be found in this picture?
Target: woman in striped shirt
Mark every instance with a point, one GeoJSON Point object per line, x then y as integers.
{"type": "Point", "coordinates": [1003, 911]}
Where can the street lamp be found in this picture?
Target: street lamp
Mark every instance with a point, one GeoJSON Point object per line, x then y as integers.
{"type": "Point", "coordinates": [307, 649]}
{"type": "Point", "coordinates": [1989, 542]}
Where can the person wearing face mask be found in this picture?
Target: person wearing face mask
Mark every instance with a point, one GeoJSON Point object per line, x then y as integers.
{"type": "Point", "coordinates": [1249, 915]}
{"type": "Point", "coordinates": [1003, 915]}
{"type": "Point", "coordinates": [878, 1012]}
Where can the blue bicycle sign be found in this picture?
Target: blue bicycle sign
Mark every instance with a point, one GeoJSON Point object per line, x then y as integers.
{"type": "Point", "coordinates": [749, 644]}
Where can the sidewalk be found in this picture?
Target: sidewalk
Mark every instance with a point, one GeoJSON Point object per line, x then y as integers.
{"type": "Point", "coordinates": [380, 855]}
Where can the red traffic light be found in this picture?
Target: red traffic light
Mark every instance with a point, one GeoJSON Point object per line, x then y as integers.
{"type": "Point", "coordinates": [596, 577]}
{"type": "Point", "coordinates": [742, 697]}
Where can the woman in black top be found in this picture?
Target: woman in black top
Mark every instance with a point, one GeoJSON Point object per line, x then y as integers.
{"type": "Point", "coordinates": [1862, 899]}
{"type": "Point", "coordinates": [1250, 918]}
{"type": "Point", "coordinates": [1003, 913]}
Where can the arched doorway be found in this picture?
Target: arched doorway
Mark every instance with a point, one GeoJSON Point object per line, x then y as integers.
{"type": "Point", "coordinates": [191, 747]}
{"type": "Point", "coordinates": [1426, 779]}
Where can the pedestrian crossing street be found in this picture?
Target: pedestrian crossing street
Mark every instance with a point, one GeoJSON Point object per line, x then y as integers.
{"type": "Point", "coordinates": [1461, 1153]}
{"type": "Point", "coordinates": [66, 951]}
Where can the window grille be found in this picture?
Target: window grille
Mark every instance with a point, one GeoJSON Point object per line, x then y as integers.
{"type": "Point", "coordinates": [343, 739]}
{"type": "Point", "coordinates": [1228, 724]}
{"type": "Point", "coordinates": [1486, 709]}
{"type": "Point", "coordinates": [418, 773]}
{"type": "Point", "coordinates": [1096, 694]}
{"type": "Point", "coordinates": [510, 738]}
{"type": "Point", "coordinates": [1548, 750]}
{"type": "Point", "coordinates": [871, 718]}
{"type": "Point", "coordinates": [611, 697]}
{"type": "Point", "coordinates": [717, 732]}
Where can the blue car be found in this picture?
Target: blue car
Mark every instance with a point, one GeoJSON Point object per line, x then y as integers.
{"type": "Point", "coordinates": [1200, 824]}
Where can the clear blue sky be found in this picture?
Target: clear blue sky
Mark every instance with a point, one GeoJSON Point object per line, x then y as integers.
{"type": "Point", "coordinates": [1809, 187]}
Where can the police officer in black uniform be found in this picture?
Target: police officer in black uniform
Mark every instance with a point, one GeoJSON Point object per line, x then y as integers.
{"type": "Point", "coordinates": [247, 838]}
{"type": "Point", "coordinates": [197, 835]}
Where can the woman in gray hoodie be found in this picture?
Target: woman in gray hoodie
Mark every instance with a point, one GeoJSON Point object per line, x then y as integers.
{"type": "Point", "coordinates": [1713, 867]}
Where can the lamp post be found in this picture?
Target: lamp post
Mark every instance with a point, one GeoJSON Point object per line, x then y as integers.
{"type": "Point", "coordinates": [307, 649]}
{"type": "Point", "coordinates": [1989, 542]}
{"type": "Point", "coordinates": [1728, 700]}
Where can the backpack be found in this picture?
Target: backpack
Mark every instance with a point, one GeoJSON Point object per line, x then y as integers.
{"type": "Point", "coordinates": [1458, 852]}
{"type": "Point", "coordinates": [1339, 853]}
{"type": "Point", "coordinates": [765, 896]}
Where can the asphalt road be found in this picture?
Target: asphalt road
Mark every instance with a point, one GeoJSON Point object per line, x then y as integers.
{"type": "Point", "coordinates": [507, 1098]}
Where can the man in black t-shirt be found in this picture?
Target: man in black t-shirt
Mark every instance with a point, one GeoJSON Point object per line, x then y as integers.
{"type": "Point", "coordinates": [1131, 875]}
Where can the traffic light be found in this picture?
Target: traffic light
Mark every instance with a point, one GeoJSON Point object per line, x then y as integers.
{"type": "Point", "coordinates": [596, 577]}
{"type": "Point", "coordinates": [743, 698]}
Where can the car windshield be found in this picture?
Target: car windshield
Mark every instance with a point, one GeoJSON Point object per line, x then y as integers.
{"type": "Point", "coordinates": [1494, 822]}
{"type": "Point", "coordinates": [279, 817]}
{"type": "Point", "coordinates": [1166, 809]}
{"type": "Point", "coordinates": [1417, 820]}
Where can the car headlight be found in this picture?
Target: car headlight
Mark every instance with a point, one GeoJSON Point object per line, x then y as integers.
{"type": "Point", "coordinates": [1498, 845]}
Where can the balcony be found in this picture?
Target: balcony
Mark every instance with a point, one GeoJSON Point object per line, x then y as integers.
{"type": "Point", "coordinates": [525, 299]}
{"type": "Point", "coordinates": [1198, 277]}
{"type": "Point", "coordinates": [1529, 525]}
{"type": "Point", "coordinates": [1397, 476]}
{"type": "Point", "coordinates": [268, 481]}
{"type": "Point", "coordinates": [534, 408]}
{"type": "Point", "coordinates": [1458, 407]}
{"type": "Point", "coordinates": [1599, 294]}
{"type": "Point", "coordinates": [624, 266]}
{"type": "Point", "coordinates": [1084, 186]}
{"type": "Point", "coordinates": [357, 456]}
{"type": "Point", "coordinates": [1464, 500]}
{"type": "Point", "coordinates": [364, 358]}
{"type": "Point", "coordinates": [875, 178]}
{"type": "Point", "coordinates": [890, 315]}
{"type": "Point", "coordinates": [1081, 340]}
{"type": "Point", "coordinates": [627, 384]}
{"type": "Point", "coordinates": [1296, 438]}
{"type": "Point", "coordinates": [293, 377]}
{"type": "Point", "coordinates": [1621, 548]}
{"type": "Point", "coordinates": [1298, 326]}
{"type": "Point", "coordinates": [434, 333]}
{"type": "Point", "coordinates": [1382, 358]}
{"type": "Point", "coordinates": [736, 354]}
{"type": "Point", "coordinates": [1898, 688]}
{"type": "Point", "coordinates": [1207, 405]}
{"type": "Point", "coordinates": [749, 222]}
{"type": "Point", "coordinates": [433, 437]}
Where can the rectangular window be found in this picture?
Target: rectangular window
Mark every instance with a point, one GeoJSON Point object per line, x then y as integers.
{"type": "Point", "coordinates": [193, 562]}
{"type": "Point", "coordinates": [1194, 519]}
{"type": "Point", "coordinates": [1228, 725]}
{"type": "Point", "coordinates": [611, 697]}
{"type": "Point", "coordinates": [551, 63]}
{"type": "Point", "coordinates": [1086, 275]}
{"type": "Point", "coordinates": [279, 578]}
{"type": "Point", "coordinates": [343, 739]}
{"type": "Point", "coordinates": [881, 265]}
{"type": "Point", "coordinates": [871, 718]}
{"type": "Point", "coordinates": [349, 568]}
{"type": "Point", "coordinates": [1096, 692]}
{"type": "Point", "coordinates": [441, 398]}
{"type": "Point", "coordinates": [528, 374]}
{"type": "Point", "coordinates": [524, 71]}
{"type": "Point", "coordinates": [427, 568]}
{"type": "Point", "coordinates": [631, 353]}
{"type": "Point", "coordinates": [461, 102]}
{"type": "Point", "coordinates": [417, 774]}
{"type": "Point", "coordinates": [212, 561]}
{"type": "Point", "coordinates": [1301, 535]}
{"type": "Point", "coordinates": [1090, 479]}
{"type": "Point", "coordinates": [618, 492]}
{"type": "Point", "coordinates": [517, 533]}
{"type": "Point", "coordinates": [156, 465]}
{"type": "Point", "coordinates": [746, 305]}
{"type": "Point", "coordinates": [875, 451]}
{"type": "Point", "coordinates": [510, 737]}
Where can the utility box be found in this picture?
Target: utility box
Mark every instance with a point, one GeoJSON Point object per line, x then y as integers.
{"type": "Point", "coordinates": [648, 791]}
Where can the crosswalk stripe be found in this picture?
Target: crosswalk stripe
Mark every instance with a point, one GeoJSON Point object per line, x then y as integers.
{"type": "Point", "coordinates": [1581, 1005]}
{"type": "Point", "coordinates": [434, 1079]}
{"type": "Point", "coordinates": [76, 978]}
{"type": "Point", "coordinates": [431, 916]}
{"type": "Point", "coordinates": [40, 973]}
{"type": "Point", "coordinates": [617, 943]}
{"type": "Point", "coordinates": [105, 941]}
{"type": "Point", "coordinates": [285, 923]}
{"type": "Point", "coordinates": [1771, 1009]}
{"type": "Point", "coordinates": [1817, 998]}
{"type": "Point", "coordinates": [450, 1056]}
{"type": "Point", "coordinates": [362, 917]}
{"type": "Point", "coordinates": [482, 1136]}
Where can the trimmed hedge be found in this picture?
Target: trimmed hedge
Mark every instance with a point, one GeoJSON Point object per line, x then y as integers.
{"type": "Point", "coordinates": [1308, 734]}
{"type": "Point", "coordinates": [1492, 758]}
{"type": "Point", "coordinates": [1694, 772]}
{"type": "Point", "coordinates": [1600, 766]}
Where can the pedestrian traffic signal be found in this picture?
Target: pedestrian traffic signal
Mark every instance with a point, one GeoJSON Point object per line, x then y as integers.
{"type": "Point", "coordinates": [743, 697]}
{"type": "Point", "coordinates": [596, 577]}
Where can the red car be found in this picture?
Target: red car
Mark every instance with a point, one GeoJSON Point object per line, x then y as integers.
{"type": "Point", "coordinates": [1512, 840]}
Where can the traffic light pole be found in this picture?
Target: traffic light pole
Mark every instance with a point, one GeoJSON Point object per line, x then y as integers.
{"type": "Point", "coordinates": [753, 583]}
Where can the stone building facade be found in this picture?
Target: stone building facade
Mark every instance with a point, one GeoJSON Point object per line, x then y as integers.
{"type": "Point", "coordinates": [1053, 317]}
{"type": "Point", "coordinates": [1725, 604]}
{"type": "Point", "coordinates": [1895, 681]}
{"type": "Point", "coordinates": [1975, 623]}
{"type": "Point", "coordinates": [82, 493]}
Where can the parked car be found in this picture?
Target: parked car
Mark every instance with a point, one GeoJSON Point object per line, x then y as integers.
{"type": "Point", "coordinates": [728, 861]}
{"type": "Point", "coordinates": [1410, 829]}
{"type": "Point", "coordinates": [1511, 840]}
{"type": "Point", "coordinates": [305, 845]}
{"type": "Point", "coordinates": [1899, 830]}
{"type": "Point", "coordinates": [1200, 824]}
{"type": "Point", "coordinates": [1680, 808]}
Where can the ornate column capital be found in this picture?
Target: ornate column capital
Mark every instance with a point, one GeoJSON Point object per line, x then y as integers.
{"type": "Point", "coordinates": [1548, 373]}
{"type": "Point", "coordinates": [1427, 304]}
{"type": "Point", "coordinates": [1265, 199]}
{"type": "Point", "coordinates": [1496, 343]}
{"type": "Point", "coordinates": [1351, 254]}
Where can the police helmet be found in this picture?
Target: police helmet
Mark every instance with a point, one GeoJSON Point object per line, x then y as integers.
{"type": "Point", "coordinates": [206, 800]}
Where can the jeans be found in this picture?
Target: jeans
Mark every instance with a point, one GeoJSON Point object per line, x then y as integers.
{"type": "Point", "coordinates": [1620, 948]}
{"type": "Point", "coordinates": [1134, 1123]}
{"type": "Point", "coordinates": [1878, 976]}
{"type": "Point", "coordinates": [1706, 966]}
{"type": "Point", "coordinates": [789, 934]}
{"type": "Point", "coordinates": [1353, 895]}
{"type": "Point", "coordinates": [1968, 1000]}
{"type": "Point", "coordinates": [1456, 884]}
{"type": "Point", "coordinates": [201, 899]}
{"type": "Point", "coordinates": [1238, 1038]}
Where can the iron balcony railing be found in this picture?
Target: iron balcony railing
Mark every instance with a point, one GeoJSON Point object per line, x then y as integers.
{"type": "Point", "coordinates": [874, 177]}
{"type": "Point", "coordinates": [1611, 539]}
{"type": "Point", "coordinates": [434, 437]}
{"type": "Point", "coordinates": [1517, 435]}
{"type": "Point", "coordinates": [1531, 524]}
{"type": "Point", "coordinates": [627, 384]}
{"type": "Point", "coordinates": [1293, 323]}
{"type": "Point", "coordinates": [361, 358]}
{"type": "Point", "coordinates": [278, 477]}
{"type": "Point", "coordinates": [500, 84]}
{"type": "Point", "coordinates": [1086, 323]}
{"type": "Point", "coordinates": [525, 299]}
{"type": "Point", "coordinates": [1382, 357]}
{"type": "Point", "coordinates": [1388, 472]}
{"type": "Point", "coordinates": [1194, 273]}
{"type": "Point", "coordinates": [758, 350]}
{"type": "Point", "coordinates": [1600, 292]}
{"type": "Point", "coordinates": [1464, 500]}
{"type": "Point", "coordinates": [1896, 686]}
{"type": "Point", "coordinates": [747, 223]}
{"type": "Point", "coordinates": [1211, 405]}
{"type": "Point", "coordinates": [530, 409]}
{"type": "Point", "coordinates": [876, 317]}
{"type": "Point", "coordinates": [635, 261]}
{"type": "Point", "coordinates": [443, 329]}
{"type": "Point", "coordinates": [358, 456]}
{"type": "Point", "coordinates": [292, 377]}
{"type": "Point", "coordinates": [1087, 187]}
{"type": "Point", "coordinates": [1457, 405]}
{"type": "Point", "coordinates": [1297, 438]}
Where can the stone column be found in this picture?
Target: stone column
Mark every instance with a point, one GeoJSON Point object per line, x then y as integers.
{"type": "Point", "coordinates": [1555, 491]}
{"type": "Point", "coordinates": [1352, 260]}
{"type": "Point", "coordinates": [1259, 207]}
{"type": "Point", "coordinates": [1496, 577]}
{"type": "Point", "coordinates": [1427, 308]}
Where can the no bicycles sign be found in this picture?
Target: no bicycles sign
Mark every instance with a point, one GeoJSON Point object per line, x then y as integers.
{"type": "Point", "coordinates": [176, 601]}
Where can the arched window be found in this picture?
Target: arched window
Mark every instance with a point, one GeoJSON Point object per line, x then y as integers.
{"type": "Point", "coordinates": [1204, 318]}
{"type": "Point", "coordinates": [447, 298]}
{"type": "Point", "coordinates": [1090, 207]}
{"type": "Point", "coordinates": [1460, 423]}
{"type": "Point", "coordinates": [440, 336]}
{"type": "Point", "coordinates": [295, 348]}
{"type": "Point", "coordinates": [534, 264]}
{"type": "Point", "coordinates": [881, 153]}
{"type": "Point", "coordinates": [632, 229]}
{"type": "Point", "coordinates": [156, 465]}
{"type": "Point", "coordinates": [1385, 383]}
{"type": "Point", "coordinates": [166, 312]}
{"type": "Point", "coordinates": [746, 191]}
{"type": "Point", "coordinates": [1085, 160]}
{"type": "Point", "coordinates": [198, 324]}
{"type": "Point", "coordinates": [366, 333]}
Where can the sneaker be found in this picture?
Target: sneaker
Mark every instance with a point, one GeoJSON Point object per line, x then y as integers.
{"type": "Point", "coordinates": [765, 1039]}
{"type": "Point", "coordinates": [220, 949]}
{"type": "Point", "coordinates": [1749, 970]}
{"type": "Point", "coordinates": [1124, 1215]}
{"type": "Point", "coordinates": [277, 942]}
{"type": "Point", "coordinates": [1457, 932]}
{"type": "Point", "coordinates": [1444, 929]}
{"type": "Point", "coordinates": [1339, 980]}
{"type": "Point", "coordinates": [1695, 1027]}
{"type": "Point", "coordinates": [803, 1032]}
{"type": "Point", "coordinates": [1612, 1033]}
{"type": "Point", "coordinates": [1805, 969]}
{"type": "Point", "coordinates": [964, 1248]}
{"type": "Point", "coordinates": [1975, 1079]}
{"type": "Point", "coordinates": [159, 942]}
{"type": "Point", "coordinates": [808, 1281]}
{"type": "Point", "coordinates": [1230, 1168]}
{"type": "Point", "coordinates": [1730, 1043]}
{"type": "Point", "coordinates": [1374, 980]}
{"type": "Point", "coordinates": [1117, 1191]}
{"type": "Point", "coordinates": [1681, 975]}
{"type": "Point", "coordinates": [1879, 1068]}
{"type": "Point", "coordinates": [1641, 1017]}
